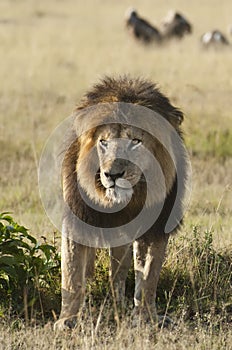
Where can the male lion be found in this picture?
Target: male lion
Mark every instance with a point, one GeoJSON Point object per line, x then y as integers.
{"type": "Point", "coordinates": [125, 164]}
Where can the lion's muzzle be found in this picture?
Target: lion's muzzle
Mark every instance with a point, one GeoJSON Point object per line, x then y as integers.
{"type": "Point", "coordinates": [112, 178]}
{"type": "Point", "coordinates": [118, 189]}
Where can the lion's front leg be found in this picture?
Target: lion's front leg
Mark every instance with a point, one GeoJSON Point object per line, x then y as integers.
{"type": "Point", "coordinates": [77, 264]}
{"type": "Point", "coordinates": [148, 260]}
{"type": "Point", "coordinates": [120, 262]}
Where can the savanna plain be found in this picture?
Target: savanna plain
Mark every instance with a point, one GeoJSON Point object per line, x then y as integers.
{"type": "Point", "coordinates": [51, 52]}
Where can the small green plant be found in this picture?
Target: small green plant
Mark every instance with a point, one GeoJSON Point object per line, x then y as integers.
{"type": "Point", "coordinates": [29, 270]}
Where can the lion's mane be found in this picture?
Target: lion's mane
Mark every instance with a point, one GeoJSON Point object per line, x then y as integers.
{"type": "Point", "coordinates": [131, 91]}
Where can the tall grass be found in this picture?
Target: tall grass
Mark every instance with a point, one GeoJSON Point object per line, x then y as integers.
{"type": "Point", "coordinates": [51, 52]}
{"type": "Point", "coordinates": [194, 289]}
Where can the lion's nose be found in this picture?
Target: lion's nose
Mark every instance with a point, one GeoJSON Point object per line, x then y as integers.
{"type": "Point", "coordinates": [114, 177]}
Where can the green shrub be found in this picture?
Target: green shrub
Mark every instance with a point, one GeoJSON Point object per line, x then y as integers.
{"type": "Point", "coordinates": [29, 271]}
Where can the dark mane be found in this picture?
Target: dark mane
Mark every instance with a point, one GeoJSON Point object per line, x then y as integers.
{"type": "Point", "coordinates": [137, 91]}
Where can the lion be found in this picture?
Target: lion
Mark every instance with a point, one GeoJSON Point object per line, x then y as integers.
{"type": "Point", "coordinates": [111, 173]}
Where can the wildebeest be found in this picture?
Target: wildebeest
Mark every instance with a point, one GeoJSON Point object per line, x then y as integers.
{"type": "Point", "coordinates": [214, 38]}
{"type": "Point", "coordinates": [175, 25]}
{"type": "Point", "coordinates": [142, 29]}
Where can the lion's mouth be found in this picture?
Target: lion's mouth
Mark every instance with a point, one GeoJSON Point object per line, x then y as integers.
{"type": "Point", "coordinates": [117, 195]}
{"type": "Point", "coordinates": [123, 184]}
{"type": "Point", "coordinates": [109, 180]}
{"type": "Point", "coordinates": [117, 190]}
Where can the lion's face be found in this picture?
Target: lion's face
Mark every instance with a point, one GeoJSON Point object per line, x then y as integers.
{"type": "Point", "coordinates": [119, 153]}
{"type": "Point", "coordinates": [112, 162]}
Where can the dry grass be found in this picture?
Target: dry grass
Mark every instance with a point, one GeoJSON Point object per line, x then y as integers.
{"type": "Point", "coordinates": [183, 337]}
{"type": "Point", "coordinates": [51, 51]}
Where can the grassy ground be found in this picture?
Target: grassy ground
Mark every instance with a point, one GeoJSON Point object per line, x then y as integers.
{"type": "Point", "coordinates": [181, 338]}
{"type": "Point", "coordinates": [51, 52]}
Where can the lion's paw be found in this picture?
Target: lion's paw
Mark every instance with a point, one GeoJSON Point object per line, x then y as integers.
{"type": "Point", "coordinates": [142, 316]}
{"type": "Point", "coordinates": [165, 322]}
{"type": "Point", "coordinates": [66, 323]}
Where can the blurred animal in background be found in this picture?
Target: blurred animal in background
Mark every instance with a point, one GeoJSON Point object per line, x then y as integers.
{"type": "Point", "coordinates": [214, 38]}
{"type": "Point", "coordinates": [175, 25]}
{"type": "Point", "coordinates": [141, 29]}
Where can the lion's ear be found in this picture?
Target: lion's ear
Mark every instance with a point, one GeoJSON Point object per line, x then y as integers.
{"type": "Point", "coordinates": [176, 118]}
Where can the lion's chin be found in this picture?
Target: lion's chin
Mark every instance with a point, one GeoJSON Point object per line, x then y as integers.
{"type": "Point", "coordinates": [118, 195]}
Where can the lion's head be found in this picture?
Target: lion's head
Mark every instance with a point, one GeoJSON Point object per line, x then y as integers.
{"type": "Point", "coordinates": [116, 161]}
{"type": "Point", "coordinates": [123, 153]}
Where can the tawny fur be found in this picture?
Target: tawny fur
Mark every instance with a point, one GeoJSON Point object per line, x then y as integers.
{"type": "Point", "coordinates": [79, 172]}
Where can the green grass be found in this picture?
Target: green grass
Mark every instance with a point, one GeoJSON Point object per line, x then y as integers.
{"type": "Point", "coordinates": [52, 51]}
{"type": "Point", "coordinates": [214, 143]}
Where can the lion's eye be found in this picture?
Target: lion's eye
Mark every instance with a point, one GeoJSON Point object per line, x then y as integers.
{"type": "Point", "coordinates": [136, 142]}
{"type": "Point", "coordinates": [103, 143]}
